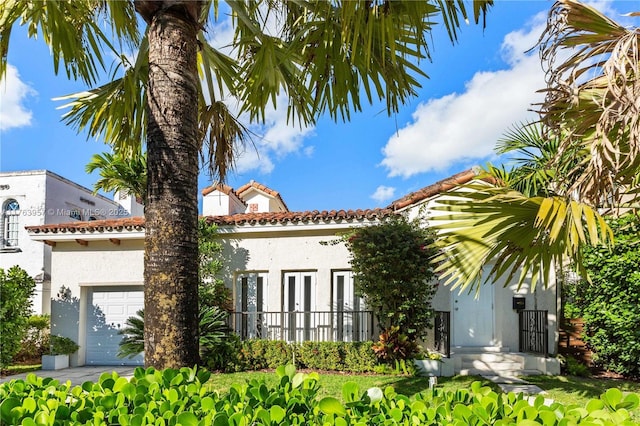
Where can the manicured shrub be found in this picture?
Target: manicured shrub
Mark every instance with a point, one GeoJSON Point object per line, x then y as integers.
{"type": "Point", "coordinates": [60, 345]}
{"type": "Point", "coordinates": [322, 355]}
{"type": "Point", "coordinates": [355, 357]}
{"type": "Point", "coordinates": [393, 272]}
{"type": "Point", "coordinates": [360, 357]}
{"type": "Point", "coordinates": [16, 288]}
{"type": "Point", "coordinates": [181, 397]}
{"type": "Point", "coordinates": [260, 354]}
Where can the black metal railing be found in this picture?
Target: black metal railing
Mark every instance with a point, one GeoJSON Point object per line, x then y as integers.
{"type": "Point", "coordinates": [341, 326]}
{"type": "Point", "coordinates": [534, 332]}
{"type": "Point", "coordinates": [442, 333]}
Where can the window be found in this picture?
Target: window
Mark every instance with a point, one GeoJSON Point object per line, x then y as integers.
{"type": "Point", "coordinates": [250, 304]}
{"type": "Point", "coordinates": [352, 321]}
{"type": "Point", "coordinates": [302, 323]}
{"type": "Point", "coordinates": [75, 214]}
{"type": "Point", "coordinates": [10, 216]}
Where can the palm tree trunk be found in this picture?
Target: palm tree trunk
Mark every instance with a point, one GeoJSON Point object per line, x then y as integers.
{"type": "Point", "coordinates": [171, 241]}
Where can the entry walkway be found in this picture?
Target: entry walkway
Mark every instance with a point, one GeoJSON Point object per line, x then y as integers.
{"type": "Point", "coordinates": [77, 375]}
{"type": "Point", "coordinates": [517, 385]}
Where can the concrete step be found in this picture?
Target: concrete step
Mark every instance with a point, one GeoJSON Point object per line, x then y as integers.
{"type": "Point", "coordinates": [478, 349]}
{"type": "Point", "coordinates": [492, 357]}
{"type": "Point", "coordinates": [492, 366]}
{"type": "Point", "coordinates": [501, 373]}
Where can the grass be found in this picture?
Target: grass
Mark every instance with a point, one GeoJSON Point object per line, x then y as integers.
{"type": "Point", "coordinates": [579, 390]}
{"type": "Point", "coordinates": [331, 383]}
{"type": "Point", "coordinates": [568, 390]}
{"type": "Point", "coordinates": [20, 368]}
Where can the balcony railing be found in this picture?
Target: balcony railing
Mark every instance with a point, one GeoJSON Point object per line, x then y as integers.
{"type": "Point", "coordinates": [337, 326]}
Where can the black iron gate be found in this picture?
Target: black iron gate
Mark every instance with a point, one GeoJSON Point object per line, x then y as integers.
{"type": "Point", "coordinates": [534, 332]}
{"type": "Point", "coordinates": [442, 332]}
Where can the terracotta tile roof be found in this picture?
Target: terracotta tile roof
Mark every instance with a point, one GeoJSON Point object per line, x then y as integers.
{"type": "Point", "coordinates": [124, 224]}
{"type": "Point", "coordinates": [434, 189]}
{"type": "Point", "coordinates": [314, 216]}
{"type": "Point", "coordinates": [137, 223]}
{"type": "Point", "coordinates": [255, 185]}
{"type": "Point", "coordinates": [225, 189]}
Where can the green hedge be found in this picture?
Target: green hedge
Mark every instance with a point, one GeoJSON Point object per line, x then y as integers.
{"type": "Point", "coordinates": [172, 397]}
{"type": "Point", "coordinates": [355, 357]}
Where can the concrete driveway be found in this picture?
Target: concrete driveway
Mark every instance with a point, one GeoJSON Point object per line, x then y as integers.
{"type": "Point", "coordinates": [77, 375]}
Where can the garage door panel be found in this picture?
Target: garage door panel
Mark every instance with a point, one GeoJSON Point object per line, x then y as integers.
{"type": "Point", "coordinates": [108, 311]}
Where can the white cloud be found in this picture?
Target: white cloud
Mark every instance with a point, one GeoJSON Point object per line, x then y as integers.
{"type": "Point", "coordinates": [250, 159]}
{"type": "Point", "coordinates": [464, 127]}
{"type": "Point", "coordinates": [13, 113]}
{"type": "Point", "coordinates": [383, 193]}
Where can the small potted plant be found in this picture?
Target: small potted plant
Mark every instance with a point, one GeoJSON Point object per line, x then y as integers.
{"type": "Point", "coordinates": [60, 348]}
{"type": "Point", "coordinates": [429, 363]}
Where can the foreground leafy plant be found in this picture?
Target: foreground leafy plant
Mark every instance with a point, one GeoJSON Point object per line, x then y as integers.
{"type": "Point", "coordinates": [173, 397]}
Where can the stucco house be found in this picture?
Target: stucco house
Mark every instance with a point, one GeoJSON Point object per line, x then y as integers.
{"type": "Point", "coordinates": [41, 197]}
{"type": "Point", "coordinates": [286, 284]}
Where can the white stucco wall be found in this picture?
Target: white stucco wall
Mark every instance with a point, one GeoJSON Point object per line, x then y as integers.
{"type": "Point", "coordinates": [29, 191]}
{"type": "Point", "coordinates": [288, 252]}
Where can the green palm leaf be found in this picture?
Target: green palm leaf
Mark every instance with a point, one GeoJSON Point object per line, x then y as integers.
{"type": "Point", "coordinates": [487, 233]}
{"type": "Point", "coordinates": [123, 172]}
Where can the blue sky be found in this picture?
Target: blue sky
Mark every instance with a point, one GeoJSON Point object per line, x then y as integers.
{"type": "Point", "coordinates": [477, 89]}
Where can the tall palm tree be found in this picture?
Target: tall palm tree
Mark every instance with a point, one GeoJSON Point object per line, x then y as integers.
{"type": "Point", "coordinates": [325, 56]}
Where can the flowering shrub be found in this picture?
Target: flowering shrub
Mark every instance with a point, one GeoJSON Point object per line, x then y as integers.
{"type": "Point", "coordinates": [393, 272]}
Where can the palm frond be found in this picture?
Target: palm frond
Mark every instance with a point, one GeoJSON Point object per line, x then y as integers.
{"type": "Point", "coordinates": [116, 111]}
{"type": "Point", "coordinates": [71, 30]}
{"type": "Point", "coordinates": [520, 237]}
{"type": "Point", "coordinates": [132, 344]}
{"type": "Point", "coordinates": [125, 172]}
{"type": "Point", "coordinates": [591, 99]}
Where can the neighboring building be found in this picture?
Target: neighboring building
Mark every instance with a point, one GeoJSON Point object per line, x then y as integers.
{"type": "Point", "coordinates": [41, 197]}
{"type": "Point", "coordinates": [286, 283]}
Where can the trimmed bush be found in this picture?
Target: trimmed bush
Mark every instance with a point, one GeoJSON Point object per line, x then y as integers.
{"type": "Point", "coordinates": [355, 357]}
{"type": "Point", "coordinates": [181, 397]}
{"type": "Point", "coordinates": [322, 355]}
{"type": "Point", "coordinates": [61, 345]}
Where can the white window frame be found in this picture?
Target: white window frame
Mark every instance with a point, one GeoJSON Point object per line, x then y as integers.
{"type": "Point", "coordinates": [299, 302]}
{"type": "Point", "coordinates": [10, 224]}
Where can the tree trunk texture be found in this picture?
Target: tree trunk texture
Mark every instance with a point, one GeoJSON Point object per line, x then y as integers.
{"type": "Point", "coordinates": [171, 240]}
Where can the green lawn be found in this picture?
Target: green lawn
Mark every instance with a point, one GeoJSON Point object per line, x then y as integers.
{"type": "Point", "coordinates": [331, 384]}
{"type": "Point", "coordinates": [579, 390]}
{"type": "Point", "coordinates": [564, 389]}
{"type": "Point", "coordinates": [20, 368]}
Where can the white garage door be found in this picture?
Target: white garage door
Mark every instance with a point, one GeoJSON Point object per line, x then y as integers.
{"type": "Point", "coordinates": [108, 309]}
